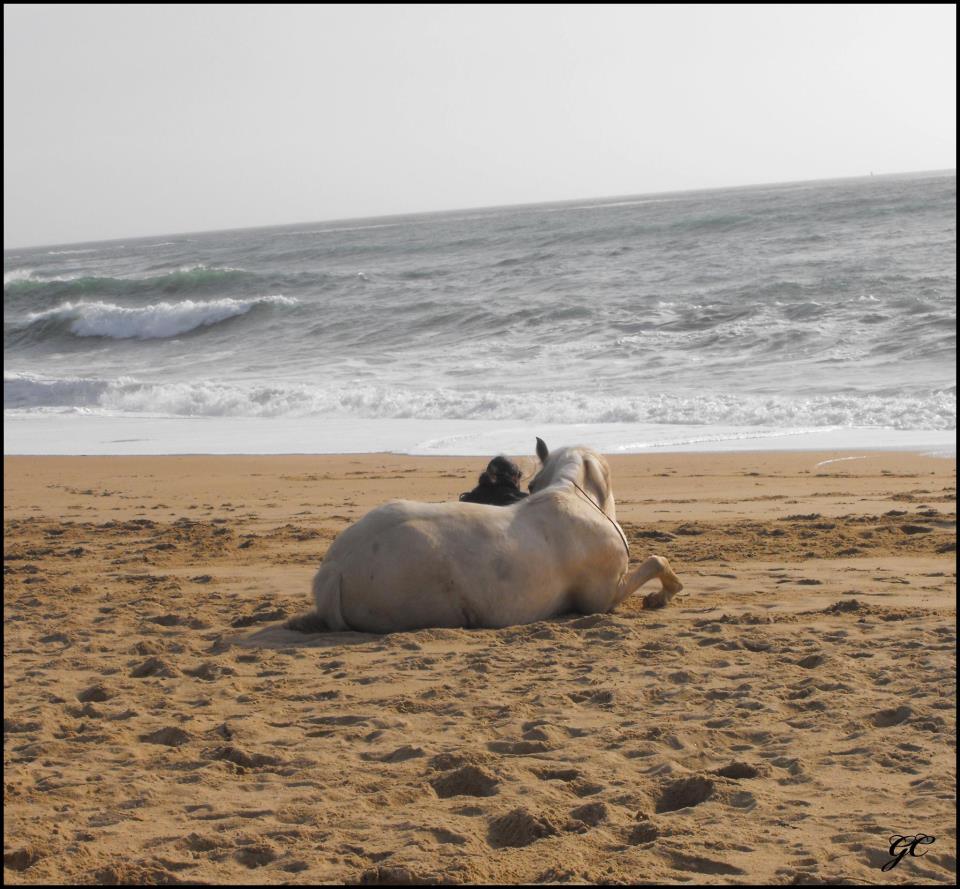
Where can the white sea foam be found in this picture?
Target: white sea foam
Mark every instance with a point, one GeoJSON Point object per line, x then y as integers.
{"type": "Point", "coordinates": [26, 390]}
{"type": "Point", "coordinates": [156, 321]}
{"type": "Point", "coordinates": [16, 275]}
{"type": "Point", "coordinates": [936, 411]}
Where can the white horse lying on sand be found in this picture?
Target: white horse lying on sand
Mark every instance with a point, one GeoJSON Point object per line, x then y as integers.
{"type": "Point", "coordinates": [407, 565]}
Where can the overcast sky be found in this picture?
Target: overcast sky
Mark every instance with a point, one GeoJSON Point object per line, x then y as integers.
{"type": "Point", "coordinates": [122, 121]}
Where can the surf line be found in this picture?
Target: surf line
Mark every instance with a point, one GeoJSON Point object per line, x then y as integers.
{"type": "Point", "coordinates": [840, 460]}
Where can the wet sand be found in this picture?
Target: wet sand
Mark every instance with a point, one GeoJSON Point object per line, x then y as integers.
{"type": "Point", "coordinates": [789, 711]}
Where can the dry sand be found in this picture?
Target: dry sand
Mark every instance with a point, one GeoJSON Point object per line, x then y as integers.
{"type": "Point", "coordinates": [793, 708]}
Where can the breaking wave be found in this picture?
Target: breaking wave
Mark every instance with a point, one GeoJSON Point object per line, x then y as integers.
{"type": "Point", "coordinates": [156, 321]}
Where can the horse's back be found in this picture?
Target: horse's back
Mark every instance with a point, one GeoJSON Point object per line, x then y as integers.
{"type": "Point", "coordinates": [407, 565]}
{"type": "Point", "coordinates": [449, 522]}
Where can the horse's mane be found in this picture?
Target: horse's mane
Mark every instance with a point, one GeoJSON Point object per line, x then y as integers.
{"type": "Point", "coordinates": [579, 464]}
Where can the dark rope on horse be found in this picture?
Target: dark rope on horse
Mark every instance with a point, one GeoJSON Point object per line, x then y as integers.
{"type": "Point", "coordinates": [623, 537]}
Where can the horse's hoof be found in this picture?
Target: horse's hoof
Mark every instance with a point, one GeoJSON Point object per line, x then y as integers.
{"type": "Point", "coordinates": [655, 600]}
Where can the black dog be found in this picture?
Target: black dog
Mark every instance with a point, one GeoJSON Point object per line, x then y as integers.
{"type": "Point", "coordinates": [498, 485]}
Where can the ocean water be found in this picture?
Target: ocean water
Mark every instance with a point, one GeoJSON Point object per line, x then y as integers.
{"type": "Point", "coordinates": [761, 315]}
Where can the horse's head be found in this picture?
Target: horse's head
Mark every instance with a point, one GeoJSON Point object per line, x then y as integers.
{"type": "Point", "coordinates": [581, 465]}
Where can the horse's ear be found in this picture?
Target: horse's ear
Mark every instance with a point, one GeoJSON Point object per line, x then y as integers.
{"type": "Point", "coordinates": [542, 450]}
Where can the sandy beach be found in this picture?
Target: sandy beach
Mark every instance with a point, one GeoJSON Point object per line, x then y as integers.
{"type": "Point", "coordinates": [791, 709]}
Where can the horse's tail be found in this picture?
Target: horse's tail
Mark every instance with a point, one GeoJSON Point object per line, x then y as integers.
{"type": "Point", "coordinates": [326, 594]}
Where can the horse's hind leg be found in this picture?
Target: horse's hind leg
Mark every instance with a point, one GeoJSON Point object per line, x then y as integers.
{"type": "Point", "coordinates": [326, 595]}
{"type": "Point", "coordinates": [654, 566]}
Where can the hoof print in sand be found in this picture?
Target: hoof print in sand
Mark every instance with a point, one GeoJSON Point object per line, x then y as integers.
{"type": "Point", "coordinates": [698, 865]}
{"type": "Point", "coordinates": [259, 618]}
{"type": "Point", "coordinates": [401, 754]}
{"type": "Point", "coordinates": [592, 814]}
{"type": "Point", "coordinates": [738, 770]}
{"type": "Point", "coordinates": [241, 758]}
{"type": "Point", "coordinates": [170, 737]}
{"type": "Point", "coordinates": [147, 646]}
{"type": "Point", "coordinates": [21, 859]}
{"type": "Point", "coordinates": [519, 828]}
{"type": "Point", "coordinates": [644, 832]}
{"type": "Point", "coordinates": [466, 781]}
{"type": "Point", "coordinates": [599, 698]}
{"type": "Point", "coordinates": [916, 529]}
{"type": "Point", "coordinates": [154, 666]}
{"type": "Point", "coordinates": [396, 876]}
{"type": "Point", "coordinates": [518, 748]}
{"type": "Point", "coordinates": [208, 671]}
{"type": "Point", "coordinates": [557, 774]}
{"type": "Point", "coordinates": [844, 605]}
{"type": "Point", "coordinates": [893, 716]}
{"type": "Point", "coordinates": [685, 793]}
{"type": "Point", "coordinates": [257, 855]}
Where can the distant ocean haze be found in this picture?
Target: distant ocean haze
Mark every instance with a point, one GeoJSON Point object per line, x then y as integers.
{"type": "Point", "coordinates": [804, 306]}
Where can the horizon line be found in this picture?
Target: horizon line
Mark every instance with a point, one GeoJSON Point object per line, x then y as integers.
{"type": "Point", "coordinates": [486, 207]}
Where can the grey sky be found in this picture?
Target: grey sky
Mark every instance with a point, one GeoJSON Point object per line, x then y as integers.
{"type": "Point", "coordinates": [122, 121]}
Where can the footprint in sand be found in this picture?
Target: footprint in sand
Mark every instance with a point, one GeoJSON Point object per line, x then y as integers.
{"type": "Point", "coordinates": [98, 693]}
{"type": "Point", "coordinates": [469, 780]}
{"type": "Point", "coordinates": [684, 793]}
{"type": "Point", "coordinates": [518, 748]}
{"type": "Point", "coordinates": [591, 814]}
{"type": "Point", "coordinates": [738, 770]}
{"type": "Point", "coordinates": [699, 865]}
{"type": "Point", "coordinates": [241, 758]}
{"type": "Point", "coordinates": [557, 774]}
{"type": "Point", "coordinates": [170, 737]}
{"type": "Point", "coordinates": [401, 754]}
{"type": "Point", "coordinates": [154, 666]}
{"type": "Point", "coordinates": [644, 832]}
{"type": "Point", "coordinates": [519, 827]}
{"type": "Point", "coordinates": [890, 717]}
{"type": "Point", "coordinates": [256, 855]}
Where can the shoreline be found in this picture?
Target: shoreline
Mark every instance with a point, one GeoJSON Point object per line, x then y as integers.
{"type": "Point", "coordinates": [940, 454]}
{"type": "Point", "coordinates": [75, 434]}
